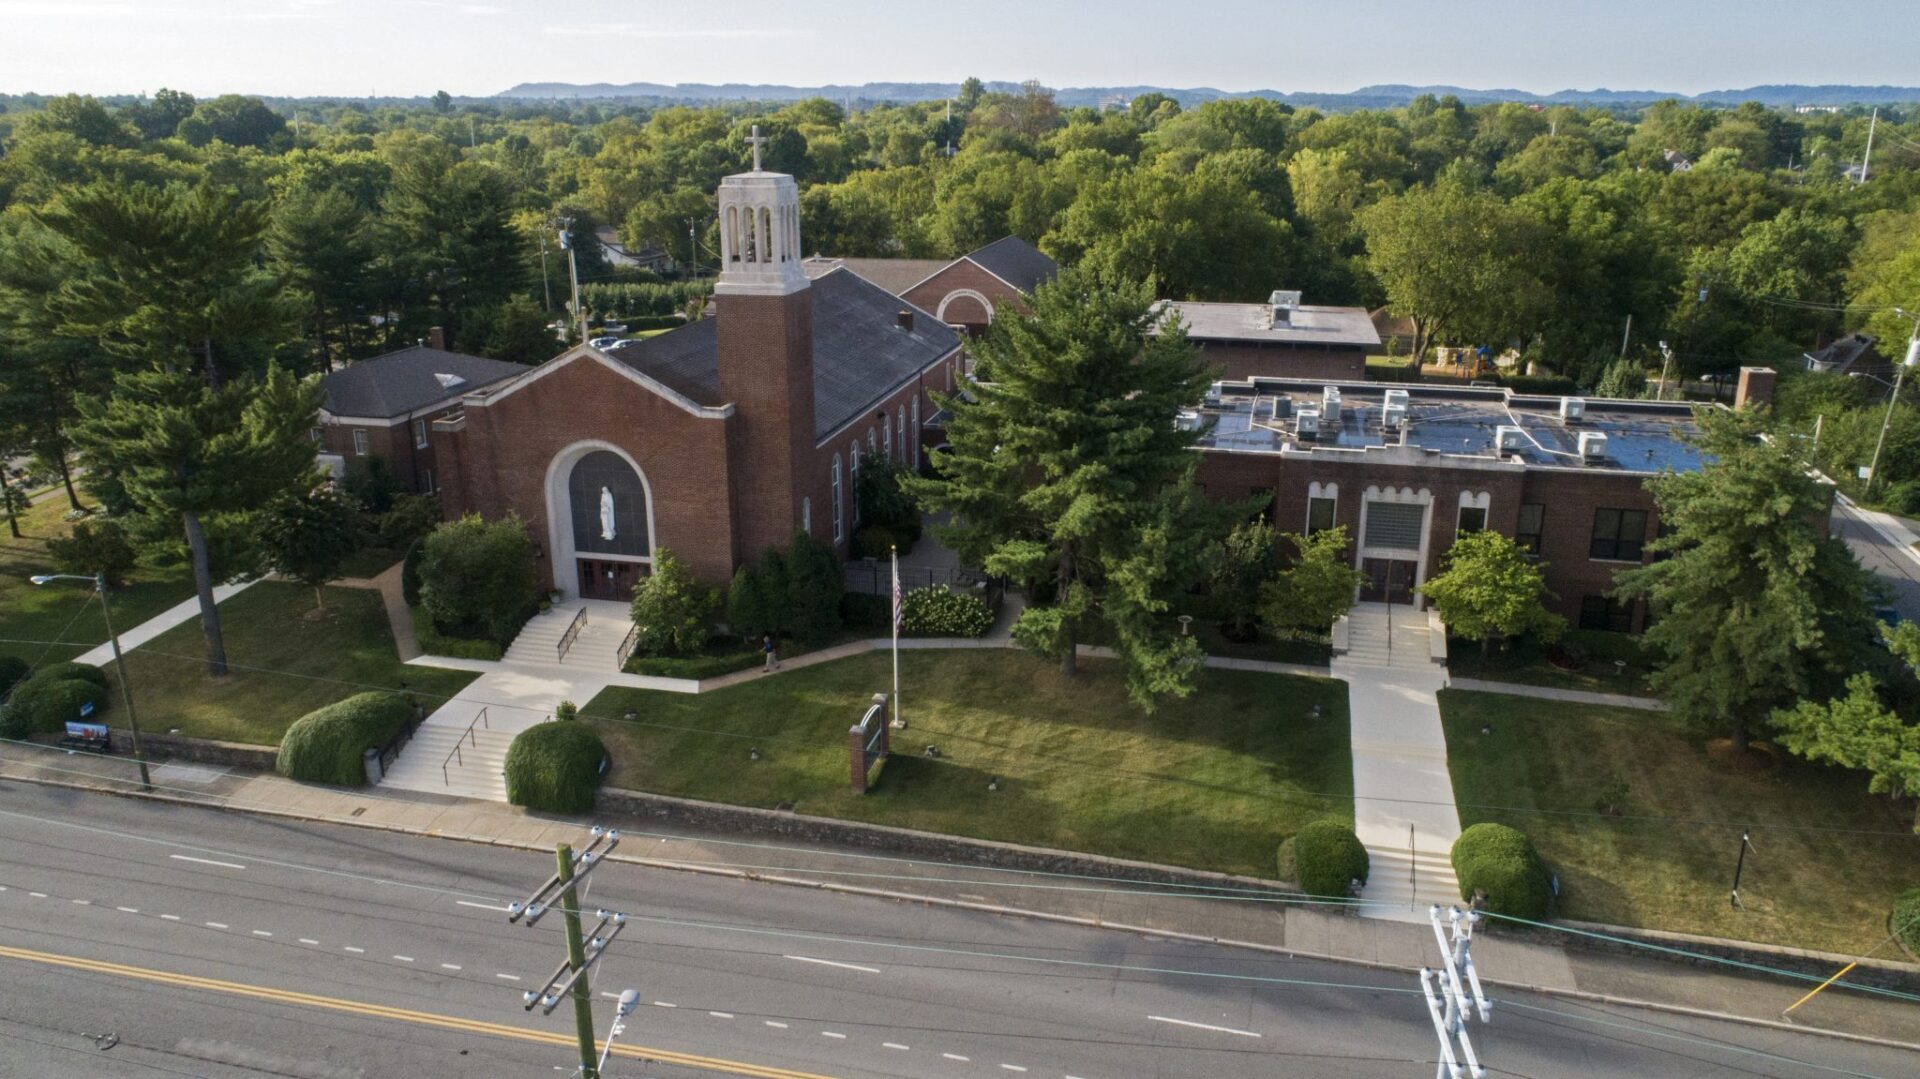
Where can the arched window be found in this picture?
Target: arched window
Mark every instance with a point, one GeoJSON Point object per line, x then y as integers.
{"type": "Point", "coordinates": [732, 239]}
{"type": "Point", "coordinates": [853, 476]}
{"type": "Point", "coordinates": [914, 442]}
{"type": "Point", "coordinates": [886, 440]}
{"type": "Point", "coordinates": [871, 444]}
{"type": "Point", "coordinates": [766, 235]}
{"type": "Point", "coordinates": [900, 429]}
{"type": "Point", "coordinates": [839, 513]}
{"type": "Point", "coordinates": [806, 516]}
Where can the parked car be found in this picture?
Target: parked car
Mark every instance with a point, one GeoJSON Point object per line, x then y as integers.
{"type": "Point", "coordinates": [614, 327]}
{"type": "Point", "coordinates": [604, 342]}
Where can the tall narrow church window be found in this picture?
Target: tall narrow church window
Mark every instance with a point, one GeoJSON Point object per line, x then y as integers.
{"type": "Point", "coordinates": [853, 475]}
{"type": "Point", "coordinates": [886, 440]}
{"type": "Point", "coordinates": [900, 429]}
{"type": "Point", "coordinates": [871, 444]}
{"type": "Point", "coordinates": [766, 235]}
{"type": "Point", "coordinates": [732, 238]}
{"type": "Point", "coordinates": [915, 441]}
{"type": "Point", "coordinates": [839, 511]}
{"type": "Point", "coordinates": [749, 253]}
{"type": "Point", "coordinates": [806, 516]}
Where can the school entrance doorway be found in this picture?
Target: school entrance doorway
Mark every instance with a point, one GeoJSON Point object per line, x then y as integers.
{"type": "Point", "coordinates": [1387, 580]}
{"type": "Point", "coordinates": [604, 578]}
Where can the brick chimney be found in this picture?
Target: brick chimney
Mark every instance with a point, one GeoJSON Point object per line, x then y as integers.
{"type": "Point", "coordinates": [437, 337]}
{"type": "Point", "coordinates": [905, 319]}
{"type": "Point", "coordinates": [1756, 387]}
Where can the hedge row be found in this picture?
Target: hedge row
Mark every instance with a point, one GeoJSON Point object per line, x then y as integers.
{"type": "Point", "coordinates": [435, 643]}
{"type": "Point", "coordinates": [695, 667]}
{"type": "Point", "coordinates": [555, 767]}
{"type": "Point", "coordinates": [326, 744]}
{"type": "Point", "coordinates": [1503, 863]}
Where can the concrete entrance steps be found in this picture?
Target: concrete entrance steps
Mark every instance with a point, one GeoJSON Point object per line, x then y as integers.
{"type": "Point", "coordinates": [596, 648]}
{"type": "Point", "coordinates": [479, 771]}
{"type": "Point", "coordinates": [1401, 888]}
{"type": "Point", "coordinates": [1388, 635]}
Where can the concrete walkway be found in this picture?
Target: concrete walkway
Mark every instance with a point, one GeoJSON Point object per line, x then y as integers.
{"type": "Point", "coordinates": [178, 614]}
{"type": "Point", "coordinates": [1403, 807]}
{"type": "Point", "coordinates": [394, 598]}
{"type": "Point", "coordinates": [1504, 958]}
{"type": "Point", "coordinates": [1552, 693]}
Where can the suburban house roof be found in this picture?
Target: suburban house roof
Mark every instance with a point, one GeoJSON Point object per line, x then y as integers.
{"type": "Point", "coordinates": [860, 353]}
{"type": "Point", "coordinates": [894, 275]}
{"type": "Point", "coordinates": [1842, 356]}
{"type": "Point", "coordinates": [1254, 323]}
{"type": "Point", "coordinates": [397, 383]}
{"type": "Point", "coordinates": [1016, 262]}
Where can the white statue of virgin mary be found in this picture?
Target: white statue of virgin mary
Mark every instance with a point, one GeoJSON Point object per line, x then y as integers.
{"type": "Point", "coordinates": [606, 514]}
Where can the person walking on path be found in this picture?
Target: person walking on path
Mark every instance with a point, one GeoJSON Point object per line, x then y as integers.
{"type": "Point", "coordinates": [773, 656]}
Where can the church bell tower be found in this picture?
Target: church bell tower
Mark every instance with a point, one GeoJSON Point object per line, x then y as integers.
{"type": "Point", "coordinates": [765, 342]}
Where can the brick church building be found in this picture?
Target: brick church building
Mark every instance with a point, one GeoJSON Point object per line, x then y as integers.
{"type": "Point", "coordinates": [718, 439]}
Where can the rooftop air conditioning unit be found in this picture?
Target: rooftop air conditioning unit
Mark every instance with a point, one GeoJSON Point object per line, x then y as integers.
{"type": "Point", "coordinates": [1509, 438]}
{"type": "Point", "coordinates": [1281, 306]}
{"type": "Point", "coordinates": [1282, 408]}
{"type": "Point", "coordinates": [1330, 403]}
{"type": "Point", "coordinates": [1212, 399]}
{"type": "Point", "coordinates": [1187, 420]}
{"type": "Point", "coordinates": [1572, 409]}
{"type": "Point", "coordinates": [1398, 397]}
{"type": "Point", "coordinates": [1309, 423]}
{"type": "Point", "coordinates": [1393, 416]}
{"type": "Point", "coordinates": [1593, 445]}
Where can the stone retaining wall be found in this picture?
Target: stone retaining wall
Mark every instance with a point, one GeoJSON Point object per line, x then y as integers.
{"type": "Point", "coordinates": [910, 843]}
{"type": "Point", "coordinates": [1634, 942]}
{"type": "Point", "coordinates": [197, 750]}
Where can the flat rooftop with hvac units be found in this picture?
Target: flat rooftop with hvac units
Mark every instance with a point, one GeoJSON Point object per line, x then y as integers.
{"type": "Point", "coordinates": [1408, 469]}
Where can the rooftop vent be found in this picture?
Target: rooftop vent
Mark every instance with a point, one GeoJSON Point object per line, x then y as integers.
{"type": "Point", "coordinates": [1282, 305]}
{"type": "Point", "coordinates": [1572, 409]}
{"type": "Point", "coordinates": [447, 381]}
{"type": "Point", "coordinates": [1330, 403]}
{"type": "Point", "coordinates": [905, 319]}
{"type": "Point", "coordinates": [1214, 392]}
{"type": "Point", "coordinates": [1593, 445]}
{"type": "Point", "coordinates": [1393, 416]}
{"type": "Point", "coordinates": [1509, 438]}
{"type": "Point", "coordinates": [1309, 423]}
{"type": "Point", "coordinates": [1398, 397]}
{"type": "Point", "coordinates": [1282, 408]}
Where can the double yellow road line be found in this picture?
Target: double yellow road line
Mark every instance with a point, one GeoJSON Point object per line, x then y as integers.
{"type": "Point", "coordinates": [400, 1015]}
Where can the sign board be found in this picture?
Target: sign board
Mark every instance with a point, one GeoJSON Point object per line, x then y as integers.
{"type": "Point", "coordinates": [867, 743]}
{"type": "Point", "coordinates": [86, 730]}
{"type": "Point", "coordinates": [86, 709]}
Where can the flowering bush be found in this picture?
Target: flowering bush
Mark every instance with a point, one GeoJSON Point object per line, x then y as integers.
{"type": "Point", "coordinates": [934, 611]}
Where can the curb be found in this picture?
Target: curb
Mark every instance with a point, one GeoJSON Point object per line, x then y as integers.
{"type": "Point", "coordinates": [1005, 911]}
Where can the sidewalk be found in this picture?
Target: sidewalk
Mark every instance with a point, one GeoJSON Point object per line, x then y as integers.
{"type": "Point", "coordinates": [1549, 693]}
{"type": "Point", "coordinates": [1504, 959]}
{"type": "Point", "coordinates": [1892, 528]}
{"type": "Point", "coordinates": [394, 598]}
{"type": "Point", "coordinates": [184, 611]}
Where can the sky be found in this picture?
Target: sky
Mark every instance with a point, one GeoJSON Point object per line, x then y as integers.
{"type": "Point", "coordinates": [407, 48]}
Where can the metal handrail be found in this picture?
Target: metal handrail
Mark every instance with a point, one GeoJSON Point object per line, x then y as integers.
{"type": "Point", "coordinates": [465, 736]}
{"type": "Point", "coordinates": [573, 631]}
{"type": "Point", "coordinates": [627, 646]}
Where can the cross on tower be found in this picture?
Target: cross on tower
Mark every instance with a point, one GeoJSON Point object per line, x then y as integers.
{"type": "Point", "coordinates": [754, 140]}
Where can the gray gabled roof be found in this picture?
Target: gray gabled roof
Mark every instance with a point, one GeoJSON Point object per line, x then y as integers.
{"type": "Point", "coordinates": [860, 354]}
{"type": "Point", "coordinates": [1016, 262]}
{"type": "Point", "coordinates": [894, 275]}
{"type": "Point", "coordinates": [394, 384]}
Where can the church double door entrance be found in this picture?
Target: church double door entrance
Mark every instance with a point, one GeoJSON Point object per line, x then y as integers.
{"type": "Point", "coordinates": [1387, 580]}
{"type": "Point", "coordinates": [602, 578]}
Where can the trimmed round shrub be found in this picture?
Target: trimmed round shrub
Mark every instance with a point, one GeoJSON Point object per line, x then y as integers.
{"type": "Point", "coordinates": [555, 767]}
{"type": "Point", "coordinates": [937, 612]}
{"type": "Point", "coordinates": [326, 744]}
{"type": "Point", "coordinates": [1327, 857]}
{"type": "Point", "coordinates": [62, 671]}
{"type": "Point", "coordinates": [44, 705]}
{"type": "Point", "coordinates": [1502, 862]}
{"type": "Point", "coordinates": [13, 670]}
{"type": "Point", "coordinates": [1906, 920]}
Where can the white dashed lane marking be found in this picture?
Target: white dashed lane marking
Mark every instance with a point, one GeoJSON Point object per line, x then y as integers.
{"type": "Point", "coordinates": [206, 861]}
{"type": "Point", "coordinates": [170, 917]}
{"type": "Point", "coordinates": [481, 906]}
{"type": "Point", "coordinates": [404, 958]}
{"type": "Point", "coordinates": [261, 933]}
{"type": "Point", "coordinates": [721, 1015]}
{"type": "Point", "coordinates": [448, 966]}
{"type": "Point", "coordinates": [217, 925]}
{"type": "Point", "coordinates": [508, 977]}
{"type": "Point", "coordinates": [831, 963]}
{"type": "Point", "coordinates": [895, 1045]}
{"type": "Point", "coordinates": [1203, 1026]}
{"type": "Point", "coordinates": [833, 1034]}
{"type": "Point", "coordinates": [1013, 1067]}
{"type": "Point", "coordinates": [128, 910]}
{"type": "Point", "coordinates": [774, 1025]}
{"type": "Point", "coordinates": [956, 1056]}
{"type": "Point", "coordinates": [354, 950]}
{"type": "Point", "coordinates": [305, 940]}
{"type": "Point", "coordinates": [83, 902]}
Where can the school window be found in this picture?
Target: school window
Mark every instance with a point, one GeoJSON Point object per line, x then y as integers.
{"type": "Point", "coordinates": [839, 513]}
{"type": "Point", "coordinates": [427, 485]}
{"type": "Point", "coordinates": [359, 442]}
{"type": "Point", "coordinates": [1472, 519]}
{"type": "Point", "coordinates": [420, 434]}
{"type": "Point", "coordinates": [806, 516]}
{"type": "Point", "coordinates": [316, 434]}
{"type": "Point", "coordinates": [1319, 514]}
{"type": "Point", "coordinates": [1605, 612]}
{"type": "Point", "coordinates": [853, 475]}
{"type": "Point", "coordinates": [1618, 535]}
{"type": "Point", "coordinates": [1527, 532]}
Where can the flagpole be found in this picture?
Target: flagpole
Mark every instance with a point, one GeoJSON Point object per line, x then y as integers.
{"type": "Point", "coordinates": [896, 636]}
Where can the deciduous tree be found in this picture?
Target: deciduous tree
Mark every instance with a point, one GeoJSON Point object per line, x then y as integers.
{"type": "Point", "coordinates": [1317, 588]}
{"type": "Point", "coordinates": [1490, 589]}
{"type": "Point", "coordinates": [308, 535]}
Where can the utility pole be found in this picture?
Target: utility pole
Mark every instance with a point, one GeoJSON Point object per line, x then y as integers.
{"type": "Point", "coordinates": [1448, 995]}
{"type": "Point", "coordinates": [119, 662]}
{"type": "Point", "coordinates": [571, 976]}
{"type": "Point", "coordinates": [1666, 362]}
{"type": "Point", "coordinates": [573, 274]}
{"type": "Point", "coordinates": [1866, 161]}
{"type": "Point", "coordinates": [1899, 376]}
{"type": "Point", "coordinates": [1625, 337]}
{"type": "Point", "coordinates": [693, 249]}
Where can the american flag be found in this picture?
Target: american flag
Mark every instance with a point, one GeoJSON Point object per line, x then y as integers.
{"type": "Point", "coordinates": [898, 607]}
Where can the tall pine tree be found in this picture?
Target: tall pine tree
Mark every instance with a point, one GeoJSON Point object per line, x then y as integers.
{"type": "Point", "coordinates": [1069, 474]}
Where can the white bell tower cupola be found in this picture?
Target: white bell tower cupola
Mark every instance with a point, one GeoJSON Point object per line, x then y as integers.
{"type": "Point", "coordinates": [759, 232]}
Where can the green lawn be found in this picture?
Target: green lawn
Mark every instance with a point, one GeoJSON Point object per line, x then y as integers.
{"type": "Point", "coordinates": [1526, 662]}
{"type": "Point", "coordinates": [1214, 781]}
{"type": "Point", "coordinates": [284, 665]}
{"type": "Point", "coordinates": [66, 610]}
{"type": "Point", "coordinates": [1815, 882]}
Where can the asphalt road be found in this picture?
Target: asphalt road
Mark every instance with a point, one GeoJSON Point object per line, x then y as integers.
{"type": "Point", "coordinates": [1899, 573]}
{"type": "Point", "coordinates": [224, 945]}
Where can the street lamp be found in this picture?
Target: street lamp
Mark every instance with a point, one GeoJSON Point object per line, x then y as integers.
{"type": "Point", "coordinates": [629, 1000]}
{"type": "Point", "coordinates": [1899, 376]}
{"type": "Point", "coordinates": [119, 661]}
